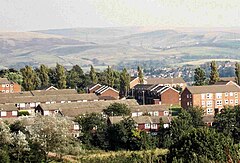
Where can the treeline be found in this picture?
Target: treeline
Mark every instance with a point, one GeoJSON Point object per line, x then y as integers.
{"type": "Point", "coordinates": [75, 78]}
{"type": "Point", "coordinates": [200, 77]}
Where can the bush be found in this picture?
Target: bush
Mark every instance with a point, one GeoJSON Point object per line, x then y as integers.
{"type": "Point", "coordinates": [23, 113]}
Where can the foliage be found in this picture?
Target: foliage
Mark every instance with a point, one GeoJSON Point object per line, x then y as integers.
{"type": "Point", "coordinates": [4, 157]}
{"type": "Point", "coordinates": [202, 144]}
{"type": "Point", "coordinates": [60, 76]}
{"type": "Point", "coordinates": [117, 109]}
{"type": "Point", "coordinates": [124, 82]}
{"type": "Point", "coordinates": [75, 77]}
{"type": "Point", "coordinates": [199, 77]}
{"type": "Point", "coordinates": [214, 75]}
{"type": "Point", "coordinates": [93, 75]}
{"type": "Point", "coordinates": [140, 74]}
{"type": "Point", "coordinates": [23, 113]}
{"type": "Point", "coordinates": [30, 79]}
{"type": "Point", "coordinates": [43, 75]}
{"type": "Point", "coordinates": [237, 73]}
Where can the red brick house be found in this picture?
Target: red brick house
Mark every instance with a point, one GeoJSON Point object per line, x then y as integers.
{"type": "Point", "coordinates": [212, 98]}
{"type": "Point", "coordinates": [92, 88]}
{"type": "Point", "coordinates": [156, 94]}
{"type": "Point", "coordinates": [7, 86]}
{"type": "Point", "coordinates": [135, 81]}
{"type": "Point", "coordinates": [8, 111]}
{"type": "Point", "coordinates": [105, 92]}
{"type": "Point", "coordinates": [153, 110]}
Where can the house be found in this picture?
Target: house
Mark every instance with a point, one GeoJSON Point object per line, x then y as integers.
{"type": "Point", "coordinates": [135, 80]}
{"type": "Point", "coordinates": [226, 81]}
{"type": "Point", "coordinates": [212, 98]}
{"type": "Point", "coordinates": [105, 92]}
{"type": "Point", "coordinates": [7, 86]}
{"type": "Point", "coordinates": [153, 110]}
{"type": "Point", "coordinates": [75, 109]}
{"type": "Point", "coordinates": [145, 123]}
{"type": "Point", "coordinates": [156, 94]}
{"type": "Point", "coordinates": [8, 111]}
{"type": "Point", "coordinates": [170, 82]}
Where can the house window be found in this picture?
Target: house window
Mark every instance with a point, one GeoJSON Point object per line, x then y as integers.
{"type": "Point", "coordinates": [231, 101]}
{"type": "Point", "coordinates": [209, 110]}
{"type": "Point", "coordinates": [7, 85]}
{"type": "Point", "coordinates": [165, 113]}
{"type": "Point", "coordinates": [47, 102]}
{"type": "Point", "coordinates": [203, 103]}
{"type": "Point", "coordinates": [76, 127]}
{"type": "Point", "coordinates": [236, 95]}
{"type": "Point", "coordinates": [236, 102]}
{"type": "Point", "coordinates": [154, 126]}
{"type": "Point", "coordinates": [3, 85]}
{"type": "Point", "coordinates": [3, 91]}
{"type": "Point", "coordinates": [188, 104]}
{"type": "Point", "coordinates": [7, 91]}
{"type": "Point", "coordinates": [219, 95]}
{"type": "Point", "coordinates": [219, 103]}
{"type": "Point", "coordinates": [147, 126]}
{"type": "Point", "coordinates": [155, 113]}
{"type": "Point", "coordinates": [209, 95]}
{"type": "Point", "coordinates": [226, 101]}
{"type": "Point", "coordinates": [84, 100]}
{"type": "Point", "coordinates": [62, 102]}
{"type": "Point", "coordinates": [14, 113]}
{"type": "Point", "coordinates": [187, 95]}
{"type": "Point", "coordinates": [3, 114]}
{"type": "Point", "coordinates": [226, 94]}
{"type": "Point", "coordinates": [209, 103]}
{"type": "Point", "coordinates": [231, 94]}
{"type": "Point", "coordinates": [46, 112]}
{"type": "Point", "coordinates": [165, 125]}
{"type": "Point", "coordinates": [203, 96]}
{"type": "Point", "coordinates": [11, 85]}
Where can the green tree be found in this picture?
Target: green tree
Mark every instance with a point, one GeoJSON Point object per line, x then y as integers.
{"type": "Point", "coordinates": [117, 109]}
{"type": "Point", "coordinates": [140, 74]}
{"type": "Point", "coordinates": [124, 82]}
{"type": "Point", "coordinates": [43, 75]}
{"type": "Point", "coordinates": [93, 75]}
{"type": "Point", "coordinates": [16, 77]}
{"type": "Point", "coordinates": [214, 75]}
{"type": "Point", "coordinates": [110, 76]}
{"type": "Point", "coordinates": [30, 79]}
{"type": "Point", "coordinates": [237, 73]}
{"type": "Point", "coordinates": [199, 77]}
{"type": "Point", "coordinates": [60, 76]}
{"type": "Point", "coordinates": [203, 144]}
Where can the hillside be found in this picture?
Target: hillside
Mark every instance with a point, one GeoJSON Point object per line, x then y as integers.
{"type": "Point", "coordinates": [113, 46]}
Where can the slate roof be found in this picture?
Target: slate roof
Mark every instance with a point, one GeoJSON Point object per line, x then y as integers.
{"type": "Point", "coordinates": [213, 89]}
{"type": "Point", "coordinates": [8, 107]}
{"type": "Point", "coordinates": [142, 119]}
{"type": "Point", "coordinates": [53, 92]}
{"type": "Point", "coordinates": [147, 108]}
{"type": "Point", "coordinates": [165, 80]}
{"type": "Point", "coordinates": [4, 81]}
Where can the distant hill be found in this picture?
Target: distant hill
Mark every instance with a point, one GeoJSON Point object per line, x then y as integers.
{"type": "Point", "coordinates": [112, 46]}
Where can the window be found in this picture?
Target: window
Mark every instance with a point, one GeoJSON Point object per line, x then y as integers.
{"type": "Point", "coordinates": [188, 104]}
{"type": "Point", "coordinates": [209, 103]}
{"type": "Point", "coordinates": [7, 91]}
{"type": "Point", "coordinates": [3, 85]}
{"type": "Point", "coordinates": [165, 125]}
{"type": "Point", "coordinates": [203, 103]}
{"type": "Point", "coordinates": [14, 113]}
{"type": "Point", "coordinates": [7, 85]}
{"type": "Point", "coordinates": [11, 85]}
{"type": "Point", "coordinates": [231, 94]}
{"type": "Point", "coordinates": [226, 94]}
{"type": "Point", "coordinates": [236, 95]}
{"type": "Point", "coordinates": [3, 91]}
{"type": "Point", "coordinates": [154, 126]}
{"type": "Point", "coordinates": [155, 113]}
{"type": "Point", "coordinates": [62, 102]}
{"type": "Point", "coordinates": [231, 101]}
{"type": "Point", "coordinates": [3, 114]}
{"type": "Point", "coordinates": [47, 102]}
{"type": "Point", "coordinates": [46, 112]}
{"type": "Point", "coordinates": [209, 110]}
{"type": "Point", "coordinates": [236, 102]}
{"type": "Point", "coordinates": [219, 95]}
{"type": "Point", "coordinates": [203, 96]}
{"type": "Point", "coordinates": [84, 100]}
{"type": "Point", "coordinates": [226, 102]}
{"type": "Point", "coordinates": [219, 103]}
{"type": "Point", "coordinates": [209, 95]}
{"type": "Point", "coordinates": [147, 126]}
{"type": "Point", "coordinates": [187, 95]}
{"type": "Point", "coordinates": [165, 113]}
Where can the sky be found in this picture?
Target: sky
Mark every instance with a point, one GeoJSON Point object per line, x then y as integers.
{"type": "Point", "coordinates": [29, 15]}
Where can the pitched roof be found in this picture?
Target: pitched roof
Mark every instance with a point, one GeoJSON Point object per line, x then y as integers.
{"type": "Point", "coordinates": [93, 86]}
{"type": "Point", "coordinates": [49, 98]}
{"type": "Point", "coordinates": [148, 108]}
{"type": "Point", "coordinates": [53, 92]}
{"type": "Point", "coordinates": [4, 81]}
{"type": "Point", "coordinates": [76, 108]}
{"type": "Point", "coordinates": [8, 107]}
{"type": "Point", "coordinates": [104, 88]}
{"type": "Point", "coordinates": [15, 94]}
{"type": "Point", "coordinates": [165, 80]}
{"type": "Point", "coordinates": [142, 119]}
{"type": "Point", "coordinates": [144, 87]}
{"type": "Point", "coordinates": [213, 89]}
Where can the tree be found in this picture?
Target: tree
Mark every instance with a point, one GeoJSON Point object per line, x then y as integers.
{"type": "Point", "coordinates": [30, 79]}
{"type": "Point", "coordinates": [15, 77]}
{"type": "Point", "coordinates": [75, 77]}
{"type": "Point", "coordinates": [110, 76]}
{"type": "Point", "coordinates": [49, 133]}
{"type": "Point", "coordinates": [93, 75]}
{"type": "Point", "coordinates": [60, 76]}
{"type": "Point", "coordinates": [140, 74]}
{"type": "Point", "coordinates": [203, 145]}
{"type": "Point", "coordinates": [214, 75]}
{"type": "Point", "coordinates": [124, 83]}
{"type": "Point", "coordinates": [199, 77]}
{"type": "Point", "coordinates": [43, 75]}
{"type": "Point", "coordinates": [237, 73]}
{"type": "Point", "coordinates": [117, 109]}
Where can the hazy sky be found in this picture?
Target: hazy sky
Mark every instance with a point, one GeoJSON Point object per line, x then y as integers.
{"type": "Point", "coordinates": [24, 15]}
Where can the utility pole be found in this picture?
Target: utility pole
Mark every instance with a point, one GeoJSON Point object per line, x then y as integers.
{"type": "Point", "coordinates": [143, 99]}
